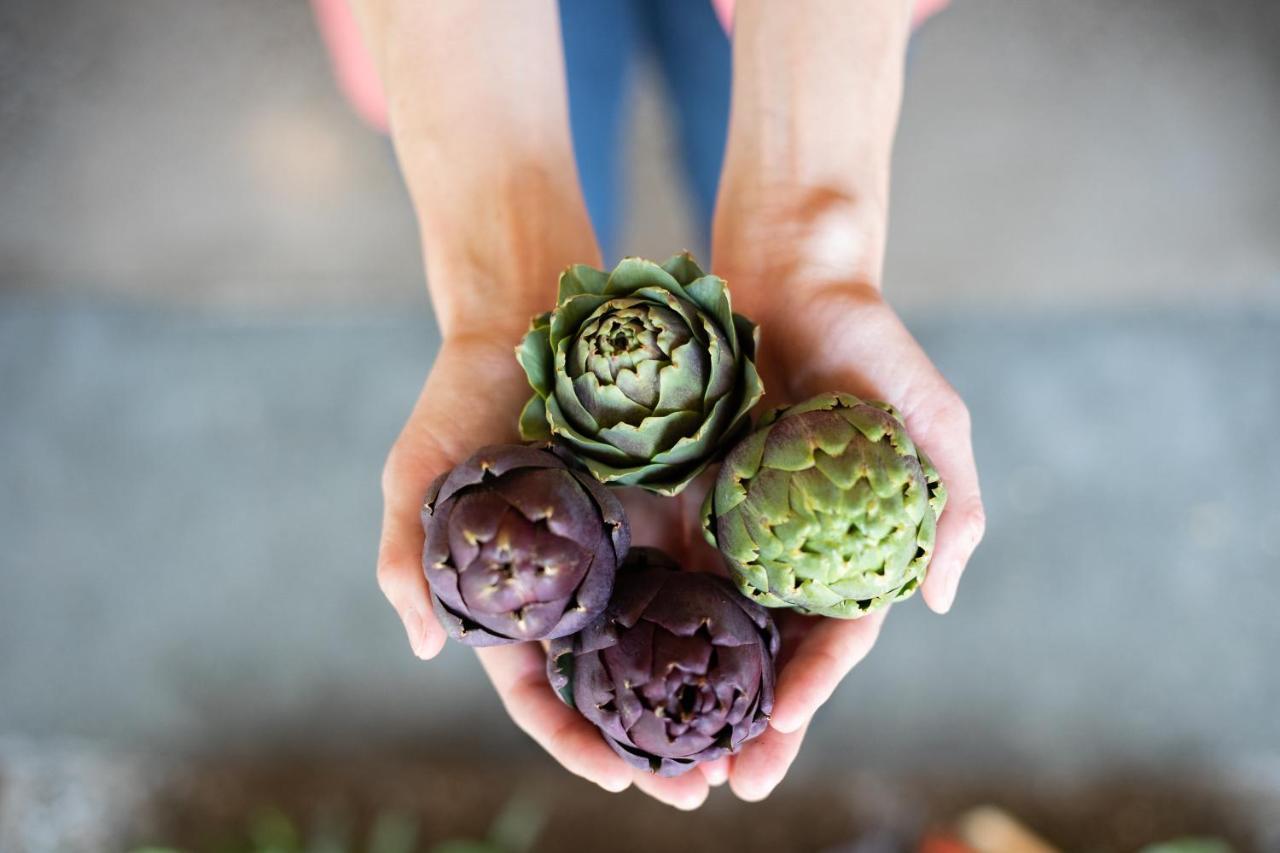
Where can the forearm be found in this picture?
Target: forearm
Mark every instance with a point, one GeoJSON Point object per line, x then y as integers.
{"type": "Point", "coordinates": [479, 118]}
{"type": "Point", "coordinates": [817, 87]}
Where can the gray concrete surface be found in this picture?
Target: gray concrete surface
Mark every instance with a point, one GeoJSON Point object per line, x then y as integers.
{"type": "Point", "coordinates": [192, 507]}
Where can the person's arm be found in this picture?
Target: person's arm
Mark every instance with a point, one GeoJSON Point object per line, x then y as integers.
{"type": "Point", "coordinates": [479, 117]}
{"type": "Point", "coordinates": [480, 121]}
{"type": "Point", "coordinates": [800, 234]}
{"type": "Point", "coordinates": [804, 193]}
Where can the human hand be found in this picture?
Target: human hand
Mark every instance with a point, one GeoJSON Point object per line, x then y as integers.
{"type": "Point", "coordinates": [470, 399]}
{"type": "Point", "coordinates": [799, 235]}
{"type": "Point", "coordinates": [822, 332]}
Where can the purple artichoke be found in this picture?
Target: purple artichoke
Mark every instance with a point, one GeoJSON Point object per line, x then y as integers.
{"type": "Point", "coordinates": [519, 546]}
{"type": "Point", "coordinates": [678, 670]}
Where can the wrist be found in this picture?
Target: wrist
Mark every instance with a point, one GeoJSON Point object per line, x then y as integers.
{"type": "Point", "coordinates": [804, 194]}
{"type": "Point", "coordinates": [779, 247]}
{"type": "Point", "coordinates": [494, 258]}
{"type": "Point", "coordinates": [495, 297]}
{"type": "Point", "coordinates": [479, 120]}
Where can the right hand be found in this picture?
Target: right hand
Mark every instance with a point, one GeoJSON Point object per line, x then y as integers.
{"type": "Point", "coordinates": [471, 399]}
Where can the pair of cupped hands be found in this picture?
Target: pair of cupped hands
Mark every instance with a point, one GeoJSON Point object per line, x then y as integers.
{"type": "Point", "coordinates": [837, 336]}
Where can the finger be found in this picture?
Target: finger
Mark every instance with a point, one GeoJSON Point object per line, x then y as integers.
{"type": "Point", "coordinates": [434, 438]}
{"type": "Point", "coordinates": [963, 520]}
{"type": "Point", "coordinates": [400, 573]}
{"type": "Point", "coordinates": [821, 660]}
{"type": "Point", "coordinates": [685, 792]}
{"type": "Point", "coordinates": [716, 772]}
{"type": "Point", "coordinates": [763, 763]}
{"type": "Point", "coordinates": [959, 531]}
{"type": "Point", "coordinates": [519, 674]}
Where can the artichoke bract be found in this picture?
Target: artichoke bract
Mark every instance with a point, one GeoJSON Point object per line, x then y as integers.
{"type": "Point", "coordinates": [679, 669]}
{"type": "Point", "coordinates": [644, 373]}
{"type": "Point", "coordinates": [828, 508]}
{"type": "Point", "coordinates": [520, 546]}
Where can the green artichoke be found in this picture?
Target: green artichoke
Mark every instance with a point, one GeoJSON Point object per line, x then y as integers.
{"type": "Point", "coordinates": [644, 373]}
{"type": "Point", "coordinates": [519, 546]}
{"type": "Point", "coordinates": [678, 670]}
{"type": "Point", "coordinates": [828, 508]}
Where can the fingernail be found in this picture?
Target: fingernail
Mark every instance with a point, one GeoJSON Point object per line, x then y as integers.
{"type": "Point", "coordinates": [691, 802]}
{"type": "Point", "coordinates": [615, 786]}
{"type": "Point", "coordinates": [785, 725]}
{"type": "Point", "coordinates": [945, 596]}
{"type": "Point", "coordinates": [413, 626]}
{"type": "Point", "coordinates": [953, 586]}
{"type": "Point", "coordinates": [755, 795]}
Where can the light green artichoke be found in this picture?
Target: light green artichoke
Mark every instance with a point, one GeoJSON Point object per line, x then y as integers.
{"type": "Point", "coordinates": [645, 374]}
{"type": "Point", "coordinates": [828, 508]}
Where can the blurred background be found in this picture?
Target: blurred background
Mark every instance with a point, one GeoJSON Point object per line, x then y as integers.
{"type": "Point", "coordinates": [213, 324]}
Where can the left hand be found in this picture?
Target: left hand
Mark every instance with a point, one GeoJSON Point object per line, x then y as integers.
{"type": "Point", "coordinates": [843, 336]}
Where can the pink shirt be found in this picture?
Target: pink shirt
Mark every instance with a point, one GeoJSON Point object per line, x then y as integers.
{"type": "Point", "coordinates": [358, 77]}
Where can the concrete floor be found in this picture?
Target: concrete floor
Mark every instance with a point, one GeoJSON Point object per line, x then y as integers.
{"type": "Point", "coordinates": [205, 259]}
{"type": "Point", "coordinates": [189, 545]}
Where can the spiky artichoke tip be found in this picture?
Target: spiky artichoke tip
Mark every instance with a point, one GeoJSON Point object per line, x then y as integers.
{"type": "Point", "coordinates": [828, 508]}
{"type": "Point", "coordinates": [679, 670]}
{"type": "Point", "coordinates": [520, 546]}
{"type": "Point", "coordinates": [644, 373]}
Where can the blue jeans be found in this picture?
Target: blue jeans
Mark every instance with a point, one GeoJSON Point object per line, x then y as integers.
{"type": "Point", "coordinates": [603, 40]}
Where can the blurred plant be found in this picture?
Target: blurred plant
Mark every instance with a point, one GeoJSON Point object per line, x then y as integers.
{"type": "Point", "coordinates": [273, 831]}
{"type": "Point", "coordinates": [514, 830]}
{"type": "Point", "coordinates": [1189, 845]}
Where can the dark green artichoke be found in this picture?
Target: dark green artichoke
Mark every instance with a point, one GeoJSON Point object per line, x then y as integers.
{"type": "Point", "coordinates": [678, 670]}
{"type": "Point", "coordinates": [520, 546]}
{"type": "Point", "coordinates": [645, 373]}
{"type": "Point", "coordinates": [828, 508]}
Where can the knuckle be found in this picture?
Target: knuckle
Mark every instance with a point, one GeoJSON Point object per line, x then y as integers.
{"type": "Point", "coordinates": [388, 578]}
{"type": "Point", "coordinates": [390, 473]}
{"type": "Point", "coordinates": [976, 521]}
{"type": "Point", "coordinates": [956, 412]}
{"type": "Point", "coordinates": [560, 746]}
{"type": "Point", "coordinates": [416, 457]}
{"type": "Point", "coordinates": [516, 702]}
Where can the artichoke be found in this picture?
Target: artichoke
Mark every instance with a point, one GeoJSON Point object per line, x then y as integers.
{"type": "Point", "coordinates": [519, 546]}
{"type": "Point", "coordinates": [678, 670]}
{"type": "Point", "coordinates": [645, 373]}
{"type": "Point", "coordinates": [828, 508]}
